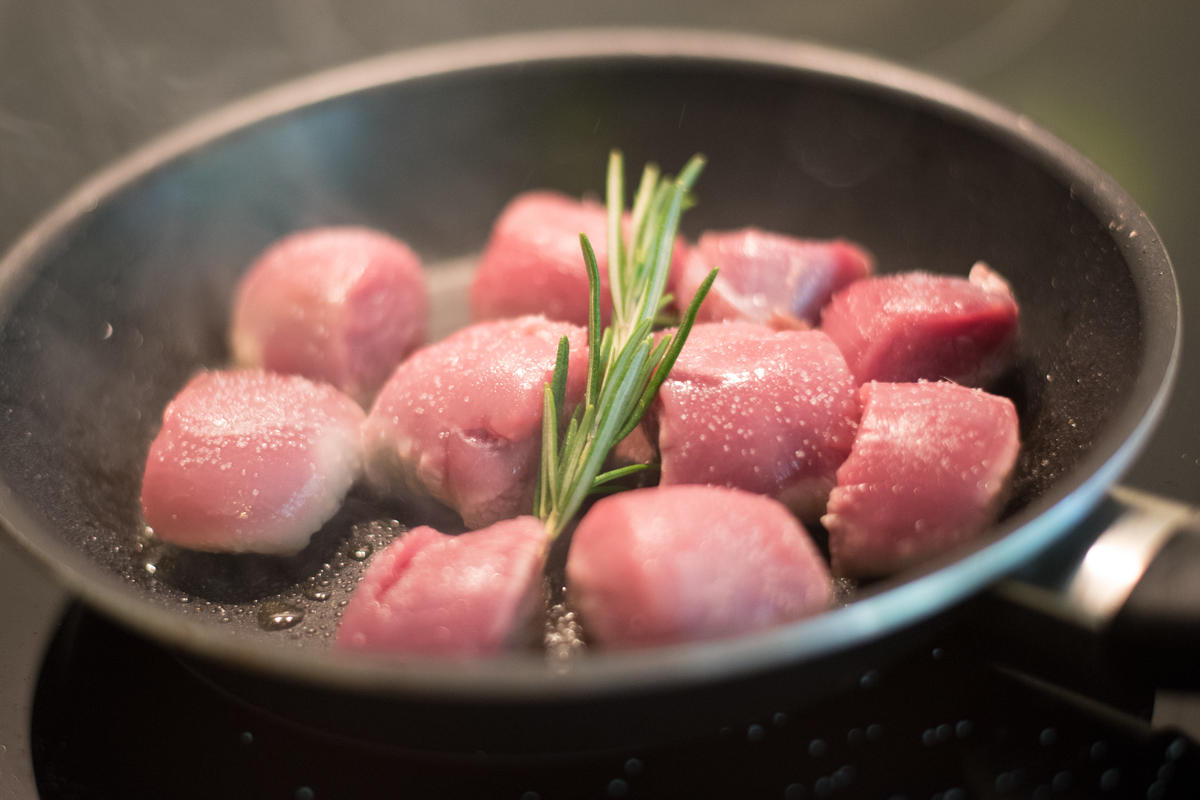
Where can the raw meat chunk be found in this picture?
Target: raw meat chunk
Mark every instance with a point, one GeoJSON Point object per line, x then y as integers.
{"type": "Point", "coordinates": [771, 412]}
{"type": "Point", "coordinates": [680, 563]}
{"type": "Point", "coordinates": [929, 469]}
{"type": "Point", "coordinates": [250, 461]}
{"type": "Point", "coordinates": [342, 305]}
{"type": "Point", "coordinates": [433, 594]}
{"type": "Point", "coordinates": [769, 278]}
{"type": "Point", "coordinates": [915, 326]}
{"type": "Point", "coordinates": [462, 419]}
{"type": "Point", "coordinates": [637, 448]}
{"type": "Point", "coordinates": [533, 263]}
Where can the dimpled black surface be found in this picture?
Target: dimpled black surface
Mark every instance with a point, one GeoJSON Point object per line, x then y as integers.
{"type": "Point", "coordinates": [117, 717]}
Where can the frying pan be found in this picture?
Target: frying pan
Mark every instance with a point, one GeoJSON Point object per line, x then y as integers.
{"type": "Point", "coordinates": [121, 292]}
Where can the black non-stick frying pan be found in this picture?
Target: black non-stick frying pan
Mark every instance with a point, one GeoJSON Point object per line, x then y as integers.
{"type": "Point", "coordinates": [120, 293]}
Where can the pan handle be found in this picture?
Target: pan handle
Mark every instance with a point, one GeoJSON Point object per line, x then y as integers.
{"type": "Point", "coordinates": [1117, 602]}
{"type": "Point", "coordinates": [1160, 621]}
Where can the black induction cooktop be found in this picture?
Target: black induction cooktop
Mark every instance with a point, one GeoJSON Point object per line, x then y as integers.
{"type": "Point", "coordinates": [114, 716]}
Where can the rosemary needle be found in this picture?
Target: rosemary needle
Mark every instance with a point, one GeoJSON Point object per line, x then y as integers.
{"type": "Point", "coordinates": [625, 363]}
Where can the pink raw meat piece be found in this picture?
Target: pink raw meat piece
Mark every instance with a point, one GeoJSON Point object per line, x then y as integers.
{"type": "Point", "coordinates": [462, 419]}
{"type": "Point", "coordinates": [680, 563]}
{"type": "Point", "coordinates": [930, 468]}
{"type": "Point", "coordinates": [637, 448]}
{"type": "Point", "coordinates": [914, 325]}
{"type": "Point", "coordinates": [342, 305]}
{"type": "Point", "coordinates": [533, 262]}
{"type": "Point", "coordinates": [771, 412]}
{"type": "Point", "coordinates": [769, 278]}
{"type": "Point", "coordinates": [250, 461]}
{"type": "Point", "coordinates": [433, 594]}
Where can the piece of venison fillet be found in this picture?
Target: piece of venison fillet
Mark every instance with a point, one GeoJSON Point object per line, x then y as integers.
{"type": "Point", "coordinates": [771, 412]}
{"type": "Point", "coordinates": [917, 326]}
{"type": "Point", "coordinates": [341, 305]}
{"type": "Point", "coordinates": [533, 262]}
{"type": "Point", "coordinates": [432, 594]}
{"type": "Point", "coordinates": [680, 563]}
{"type": "Point", "coordinates": [768, 278]}
{"type": "Point", "coordinates": [462, 419]}
{"type": "Point", "coordinates": [250, 461]}
{"type": "Point", "coordinates": [930, 468]}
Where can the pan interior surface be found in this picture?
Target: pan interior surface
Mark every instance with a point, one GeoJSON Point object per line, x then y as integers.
{"type": "Point", "coordinates": [121, 303]}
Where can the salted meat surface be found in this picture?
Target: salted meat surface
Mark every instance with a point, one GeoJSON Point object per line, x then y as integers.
{"type": "Point", "coordinates": [533, 262]}
{"type": "Point", "coordinates": [341, 305]}
{"type": "Point", "coordinates": [929, 469]}
{"type": "Point", "coordinates": [433, 594]}
{"type": "Point", "coordinates": [250, 461]}
{"type": "Point", "coordinates": [461, 419]}
{"type": "Point", "coordinates": [680, 563]}
{"type": "Point", "coordinates": [769, 278]}
{"type": "Point", "coordinates": [772, 412]}
{"type": "Point", "coordinates": [918, 326]}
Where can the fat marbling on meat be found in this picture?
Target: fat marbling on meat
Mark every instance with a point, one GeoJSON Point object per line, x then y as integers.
{"type": "Point", "coordinates": [769, 278]}
{"type": "Point", "coordinates": [915, 325]}
{"type": "Point", "coordinates": [432, 594]}
{"type": "Point", "coordinates": [250, 461]}
{"type": "Point", "coordinates": [930, 468]}
{"type": "Point", "coordinates": [772, 412]}
{"type": "Point", "coordinates": [342, 305]}
{"type": "Point", "coordinates": [462, 419]}
{"type": "Point", "coordinates": [680, 563]}
{"type": "Point", "coordinates": [533, 262]}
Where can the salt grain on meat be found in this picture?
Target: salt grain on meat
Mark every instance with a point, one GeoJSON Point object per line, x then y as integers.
{"type": "Point", "coordinates": [250, 461]}
{"type": "Point", "coordinates": [462, 419]}
{"type": "Point", "coordinates": [533, 262]}
{"type": "Point", "coordinates": [341, 305]}
{"type": "Point", "coordinates": [915, 325]}
{"type": "Point", "coordinates": [930, 468]}
{"type": "Point", "coordinates": [771, 412]}
{"type": "Point", "coordinates": [433, 594]}
{"type": "Point", "coordinates": [769, 278]}
{"type": "Point", "coordinates": [681, 563]}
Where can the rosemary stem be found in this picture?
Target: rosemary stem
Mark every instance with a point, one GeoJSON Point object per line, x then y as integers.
{"type": "Point", "coordinates": [625, 364]}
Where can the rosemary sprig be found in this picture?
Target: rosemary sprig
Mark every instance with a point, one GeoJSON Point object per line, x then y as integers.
{"type": "Point", "coordinates": [625, 364]}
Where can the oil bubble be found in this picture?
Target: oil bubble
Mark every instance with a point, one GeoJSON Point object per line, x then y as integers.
{"type": "Point", "coordinates": [279, 616]}
{"type": "Point", "coordinates": [317, 589]}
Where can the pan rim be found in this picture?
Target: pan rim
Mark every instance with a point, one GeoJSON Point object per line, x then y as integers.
{"type": "Point", "coordinates": [892, 606]}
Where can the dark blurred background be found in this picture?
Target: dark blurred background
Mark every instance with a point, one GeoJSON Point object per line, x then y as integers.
{"type": "Point", "coordinates": [84, 81]}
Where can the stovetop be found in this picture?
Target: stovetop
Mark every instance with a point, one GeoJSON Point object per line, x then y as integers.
{"type": "Point", "coordinates": [106, 714]}
{"type": "Point", "coordinates": [109, 715]}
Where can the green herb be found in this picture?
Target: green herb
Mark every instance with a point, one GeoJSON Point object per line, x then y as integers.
{"type": "Point", "coordinates": [625, 365]}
